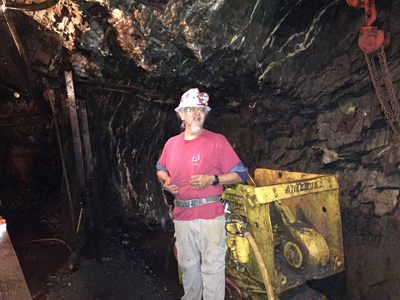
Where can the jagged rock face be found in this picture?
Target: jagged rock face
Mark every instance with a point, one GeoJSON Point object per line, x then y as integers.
{"type": "Point", "coordinates": [289, 88]}
{"type": "Point", "coordinates": [224, 46]}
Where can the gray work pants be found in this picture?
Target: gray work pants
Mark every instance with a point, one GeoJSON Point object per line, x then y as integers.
{"type": "Point", "coordinates": [203, 240]}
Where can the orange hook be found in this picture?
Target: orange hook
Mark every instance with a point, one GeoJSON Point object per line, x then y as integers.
{"type": "Point", "coordinates": [370, 13]}
{"type": "Point", "coordinates": [370, 10]}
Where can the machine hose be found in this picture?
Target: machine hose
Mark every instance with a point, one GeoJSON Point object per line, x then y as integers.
{"type": "Point", "coordinates": [228, 289]}
{"type": "Point", "coordinates": [235, 286]}
{"type": "Point", "coordinates": [261, 265]}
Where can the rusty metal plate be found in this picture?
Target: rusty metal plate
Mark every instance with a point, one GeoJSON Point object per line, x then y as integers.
{"type": "Point", "coordinates": [346, 123]}
{"type": "Point", "coordinates": [342, 64]}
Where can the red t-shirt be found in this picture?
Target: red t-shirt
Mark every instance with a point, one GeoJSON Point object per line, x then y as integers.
{"type": "Point", "coordinates": [209, 153]}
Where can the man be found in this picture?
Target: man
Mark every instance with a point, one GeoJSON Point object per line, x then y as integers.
{"type": "Point", "coordinates": [194, 165]}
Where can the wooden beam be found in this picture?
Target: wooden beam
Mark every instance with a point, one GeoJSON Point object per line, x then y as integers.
{"type": "Point", "coordinates": [22, 114]}
{"type": "Point", "coordinates": [23, 124]}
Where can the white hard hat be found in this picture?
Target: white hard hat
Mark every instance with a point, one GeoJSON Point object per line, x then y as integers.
{"type": "Point", "coordinates": [193, 98]}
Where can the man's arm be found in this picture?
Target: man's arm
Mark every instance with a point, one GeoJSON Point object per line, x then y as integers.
{"type": "Point", "coordinates": [203, 180]}
{"type": "Point", "coordinates": [236, 174]}
{"type": "Point", "coordinates": [228, 178]}
{"type": "Point", "coordinates": [164, 176]}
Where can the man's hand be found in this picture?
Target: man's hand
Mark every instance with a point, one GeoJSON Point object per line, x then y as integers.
{"type": "Point", "coordinates": [172, 188]}
{"type": "Point", "coordinates": [201, 181]}
{"type": "Point", "coordinates": [164, 176]}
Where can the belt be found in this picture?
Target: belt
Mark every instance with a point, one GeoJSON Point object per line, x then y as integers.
{"type": "Point", "coordinates": [195, 202]}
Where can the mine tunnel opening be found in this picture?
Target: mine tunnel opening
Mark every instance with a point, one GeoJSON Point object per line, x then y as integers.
{"type": "Point", "coordinates": [134, 240]}
{"type": "Point", "coordinates": [38, 221]}
{"type": "Point", "coordinates": [138, 261]}
{"type": "Point", "coordinates": [133, 257]}
{"type": "Point", "coordinates": [315, 111]}
{"type": "Point", "coordinates": [58, 256]}
{"type": "Point", "coordinates": [135, 253]}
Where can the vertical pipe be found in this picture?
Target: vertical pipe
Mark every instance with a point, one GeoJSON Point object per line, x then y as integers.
{"type": "Point", "coordinates": [50, 94]}
{"type": "Point", "coordinates": [263, 269]}
{"type": "Point", "coordinates": [76, 135]}
{"type": "Point", "coordinates": [90, 172]}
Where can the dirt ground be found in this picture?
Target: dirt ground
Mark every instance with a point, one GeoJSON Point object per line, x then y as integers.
{"type": "Point", "coordinates": [122, 275]}
{"type": "Point", "coordinates": [136, 262]}
{"type": "Point", "coordinates": [121, 278]}
{"type": "Point", "coordinates": [123, 271]}
{"type": "Point", "coordinates": [133, 267]}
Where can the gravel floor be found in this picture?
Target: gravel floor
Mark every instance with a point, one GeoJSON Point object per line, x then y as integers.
{"type": "Point", "coordinates": [119, 278]}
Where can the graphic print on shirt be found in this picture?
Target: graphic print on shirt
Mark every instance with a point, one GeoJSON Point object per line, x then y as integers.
{"type": "Point", "coordinates": [195, 159]}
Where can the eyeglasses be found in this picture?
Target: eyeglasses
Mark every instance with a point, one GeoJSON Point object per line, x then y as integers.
{"type": "Point", "coordinates": [191, 110]}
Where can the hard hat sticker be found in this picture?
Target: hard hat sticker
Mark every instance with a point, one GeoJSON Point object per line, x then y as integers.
{"type": "Point", "coordinates": [203, 98]}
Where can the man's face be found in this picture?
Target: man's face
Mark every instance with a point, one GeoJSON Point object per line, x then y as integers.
{"type": "Point", "coordinates": [194, 118]}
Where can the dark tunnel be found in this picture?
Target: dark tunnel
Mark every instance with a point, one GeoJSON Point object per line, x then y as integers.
{"type": "Point", "coordinates": [305, 92]}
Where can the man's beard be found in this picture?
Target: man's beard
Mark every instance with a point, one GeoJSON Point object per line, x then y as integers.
{"type": "Point", "coordinates": [195, 129]}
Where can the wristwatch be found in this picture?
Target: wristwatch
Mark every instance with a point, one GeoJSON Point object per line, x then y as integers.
{"type": "Point", "coordinates": [216, 180]}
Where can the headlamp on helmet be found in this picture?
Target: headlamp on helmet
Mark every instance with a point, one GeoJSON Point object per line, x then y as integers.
{"type": "Point", "coordinates": [193, 98]}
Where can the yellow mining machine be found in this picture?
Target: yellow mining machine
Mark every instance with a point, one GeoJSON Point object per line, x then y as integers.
{"type": "Point", "coordinates": [284, 228]}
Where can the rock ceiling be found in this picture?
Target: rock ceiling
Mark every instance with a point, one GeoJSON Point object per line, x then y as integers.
{"type": "Point", "coordinates": [230, 48]}
{"type": "Point", "coordinates": [236, 50]}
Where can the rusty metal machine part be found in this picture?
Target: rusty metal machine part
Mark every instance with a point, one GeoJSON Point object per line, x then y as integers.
{"type": "Point", "coordinates": [295, 221]}
{"type": "Point", "coordinates": [373, 42]}
{"type": "Point", "coordinates": [371, 38]}
{"type": "Point", "coordinates": [369, 6]}
{"type": "Point", "coordinates": [314, 251]}
{"type": "Point", "coordinates": [293, 254]}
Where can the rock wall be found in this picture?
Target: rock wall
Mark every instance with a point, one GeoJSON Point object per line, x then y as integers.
{"type": "Point", "coordinates": [127, 135]}
{"type": "Point", "coordinates": [314, 111]}
{"type": "Point", "coordinates": [352, 140]}
{"type": "Point", "coordinates": [365, 161]}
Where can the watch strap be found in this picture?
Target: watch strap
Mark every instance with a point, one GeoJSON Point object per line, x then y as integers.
{"type": "Point", "coordinates": [216, 180]}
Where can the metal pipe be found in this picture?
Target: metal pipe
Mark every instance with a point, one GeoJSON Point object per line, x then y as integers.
{"type": "Point", "coordinates": [76, 134]}
{"type": "Point", "coordinates": [79, 223]}
{"type": "Point", "coordinates": [91, 175]}
{"type": "Point", "coordinates": [49, 94]}
{"type": "Point", "coordinates": [8, 88]}
{"type": "Point", "coordinates": [261, 265]}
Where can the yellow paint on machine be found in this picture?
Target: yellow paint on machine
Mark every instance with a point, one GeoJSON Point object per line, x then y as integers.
{"type": "Point", "coordinates": [295, 220]}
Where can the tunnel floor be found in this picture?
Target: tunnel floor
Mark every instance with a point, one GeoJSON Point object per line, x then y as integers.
{"type": "Point", "coordinates": [123, 274]}
{"type": "Point", "coordinates": [131, 265]}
